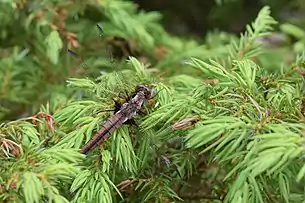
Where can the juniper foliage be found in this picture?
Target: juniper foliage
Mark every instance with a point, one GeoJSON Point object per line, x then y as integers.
{"type": "Point", "coordinates": [225, 126]}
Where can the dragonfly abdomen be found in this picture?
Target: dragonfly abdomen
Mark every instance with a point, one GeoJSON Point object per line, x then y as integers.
{"type": "Point", "coordinates": [109, 127]}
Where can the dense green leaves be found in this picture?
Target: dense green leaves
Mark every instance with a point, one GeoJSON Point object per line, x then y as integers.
{"type": "Point", "coordinates": [247, 46]}
{"type": "Point", "coordinates": [54, 46]}
{"type": "Point", "coordinates": [91, 187]}
{"type": "Point", "coordinates": [230, 127]}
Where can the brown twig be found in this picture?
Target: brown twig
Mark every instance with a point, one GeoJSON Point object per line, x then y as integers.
{"type": "Point", "coordinates": [186, 123]}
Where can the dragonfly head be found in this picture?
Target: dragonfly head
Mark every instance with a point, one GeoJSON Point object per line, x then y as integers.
{"type": "Point", "coordinates": [148, 91]}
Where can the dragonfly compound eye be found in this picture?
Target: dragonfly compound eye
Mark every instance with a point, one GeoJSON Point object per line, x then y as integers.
{"type": "Point", "coordinates": [146, 90]}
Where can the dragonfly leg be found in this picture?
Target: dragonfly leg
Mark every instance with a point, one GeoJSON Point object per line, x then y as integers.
{"type": "Point", "coordinates": [143, 112]}
{"type": "Point", "coordinates": [117, 105]}
{"type": "Point", "coordinates": [131, 122]}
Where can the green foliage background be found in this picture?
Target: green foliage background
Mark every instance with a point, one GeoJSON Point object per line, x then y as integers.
{"type": "Point", "coordinates": [244, 94]}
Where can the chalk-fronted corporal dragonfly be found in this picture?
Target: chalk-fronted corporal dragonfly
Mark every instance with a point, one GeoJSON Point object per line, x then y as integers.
{"type": "Point", "coordinates": [123, 114]}
{"type": "Point", "coordinates": [126, 112]}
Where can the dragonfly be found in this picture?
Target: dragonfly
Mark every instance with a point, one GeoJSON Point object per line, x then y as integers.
{"type": "Point", "coordinates": [127, 112]}
{"type": "Point", "coordinates": [124, 113]}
